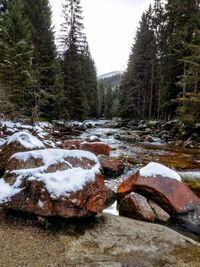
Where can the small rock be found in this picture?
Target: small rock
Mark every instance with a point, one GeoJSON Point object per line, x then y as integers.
{"type": "Point", "coordinates": [161, 215]}
{"type": "Point", "coordinates": [137, 207]}
{"type": "Point", "coordinates": [111, 166]}
{"type": "Point", "coordinates": [97, 148]}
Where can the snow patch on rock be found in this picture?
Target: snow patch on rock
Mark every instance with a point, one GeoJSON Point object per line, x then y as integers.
{"type": "Point", "coordinates": [26, 140]}
{"type": "Point", "coordinates": [154, 169]}
{"type": "Point", "coordinates": [7, 191]}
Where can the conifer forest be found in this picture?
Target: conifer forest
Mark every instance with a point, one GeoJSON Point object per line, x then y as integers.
{"type": "Point", "coordinates": [100, 166]}
{"type": "Point", "coordinates": [41, 77]}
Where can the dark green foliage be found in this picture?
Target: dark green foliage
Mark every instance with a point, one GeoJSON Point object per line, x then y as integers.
{"type": "Point", "coordinates": [138, 86]}
{"type": "Point", "coordinates": [189, 108]}
{"type": "Point", "coordinates": [179, 29]}
{"type": "Point", "coordinates": [44, 54]}
{"type": "Point", "coordinates": [15, 55]}
{"type": "Point", "coordinates": [108, 96]}
{"type": "Point", "coordinates": [80, 84]}
{"type": "Point", "coordinates": [163, 69]}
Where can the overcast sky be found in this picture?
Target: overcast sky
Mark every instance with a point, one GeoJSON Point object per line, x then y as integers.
{"type": "Point", "coordinates": [110, 26]}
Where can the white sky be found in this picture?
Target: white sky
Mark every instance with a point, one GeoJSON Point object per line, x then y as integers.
{"type": "Point", "coordinates": [110, 26]}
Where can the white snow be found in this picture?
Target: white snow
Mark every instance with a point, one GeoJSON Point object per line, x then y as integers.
{"type": "Point", "coordinates": [57, 183]}
{"type": "Point", "coordinates": [2, 141]}
{"type": "Point", "coordinates": [93, 138]}
{"type": "Point", "coordinates": [25, 139]}
{"type": "Point", "coordinates": [62, 182]}
{"type": "Point", "coordinates": [7, 191]}
{"type": "Point", "coordinates": [112, 209]}
{"type": "Point", "coordinates": [154, 169]}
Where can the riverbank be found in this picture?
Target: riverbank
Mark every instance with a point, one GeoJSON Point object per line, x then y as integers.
{"type": "Point", "coordinates": [106, 240]}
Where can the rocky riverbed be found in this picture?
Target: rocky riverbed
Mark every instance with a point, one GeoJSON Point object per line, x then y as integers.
{"type": "Point", "coordinates": [95, 241]}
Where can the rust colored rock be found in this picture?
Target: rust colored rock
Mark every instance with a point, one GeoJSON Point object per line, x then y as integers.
{"type": "Point", "coordinates": [174, 196]}
{"type": "Point", "coordinates": [111, 166]}
{"type": "Point", "coordinates": [70, 144]}
{"type": "Point", "coordinates": [54, 182]}
{"type": "Point", "coordinates": [161, 215]}
{"type": "Point", "coordinates": [97, 148]}
{"type": "Point", "coordinates": [137, 207]}
{"type": "Point", "coordinates": [18, 142]}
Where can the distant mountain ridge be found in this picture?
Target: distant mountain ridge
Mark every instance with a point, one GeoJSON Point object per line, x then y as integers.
{"type": "Point", "coordinates": [109, 75]}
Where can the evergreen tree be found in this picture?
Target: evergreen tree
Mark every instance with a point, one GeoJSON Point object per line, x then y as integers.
{"type": "Point", "coordinates": [179, 30]}
{"type": "Point", "coordinates": [102, 99]}
{"type": "Point", "coordinates": [90, 83]}
{"type": "Point", "coordinates": [80, 86]}
{"type": "Point", "coordinates": [16, 54]}
{"type": "Point", "coordinates": [138, 84]}
{"type": "Point", "coordinates": [44, 57]}
{"type": "Point", "coordinates": [189, 99]}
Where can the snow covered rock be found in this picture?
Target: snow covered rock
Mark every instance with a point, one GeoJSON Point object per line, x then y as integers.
{"type": "Point", "coordinates": [54, 182]}
{"type": "Point", "coordinates": [97, 148]}
{"type": "Point", "coordinates": [18, 142]}
{"type": "Point", "coordinates": [173, 196]}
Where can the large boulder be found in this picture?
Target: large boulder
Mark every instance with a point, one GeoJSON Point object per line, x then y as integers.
{"type": "Point", "coordinates": [97, 148]}
{"type": "Point", "coordinates": [111, 166]}
{"type": "Point", "coordinates": [54, 182]}
{"type": "Point", "coordinates": [18, 142]}
{"type": "Point", "coordinates": [163, 185]}
{"type": "Point", "coordinates": [137, 207]}
{"type": "Point", "coordinates": [104, 241]}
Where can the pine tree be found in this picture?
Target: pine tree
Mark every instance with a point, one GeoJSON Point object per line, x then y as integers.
{"type": "Point", "coordinates": [80, 86]}
{"type": "Point", "coordinates": [138, 84]}
{"type": "Point", "coordinates": [16, 54]}
{"type": "Point", "coordinates": [102, 99]}
{"type": "Point", "coordinates": [44, 57]}
{"type": "Point", "coordinates": [90, 83]}
{"type": "Point", "coordinates": [179, 29]}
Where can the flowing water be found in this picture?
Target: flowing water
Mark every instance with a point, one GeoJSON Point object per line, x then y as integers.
{"type": "Point", "coordinates": [184, 160]}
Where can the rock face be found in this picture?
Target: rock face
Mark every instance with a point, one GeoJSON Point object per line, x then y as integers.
{"type": "Point", "coordinates": [97, 148]}
{"type": "Point", "coordinates": [137, 207]}
{"type": "Point", "coordinates": [54, 182]}
{"type": "Point", "coordinates": [18, 142]}
{"type": "Point", "coordinates": [172, 195]}
{"type": "Point", "coordinates": [104, 241]}
{"type": "Point", "coordinates": [111, 166]}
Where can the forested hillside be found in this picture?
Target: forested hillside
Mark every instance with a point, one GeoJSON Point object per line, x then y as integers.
{"type": "Point", "coordinates": [35, 80]}
{"type": "Point", "coordinates": [162, 79]}
{"type": "Point", "coordinates": [41, 78]}
{"type": "Point", "coordinates": [109, 94]}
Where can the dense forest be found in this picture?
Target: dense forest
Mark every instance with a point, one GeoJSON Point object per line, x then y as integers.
{"type": "Point", "coordinates": [109, 94]}
{"type": "Point", "coordinates": [162, 79]}
{"type": "Point", "coordinates": [36, 80]}
{"type": "Point", "coordinates": [41, 79]}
